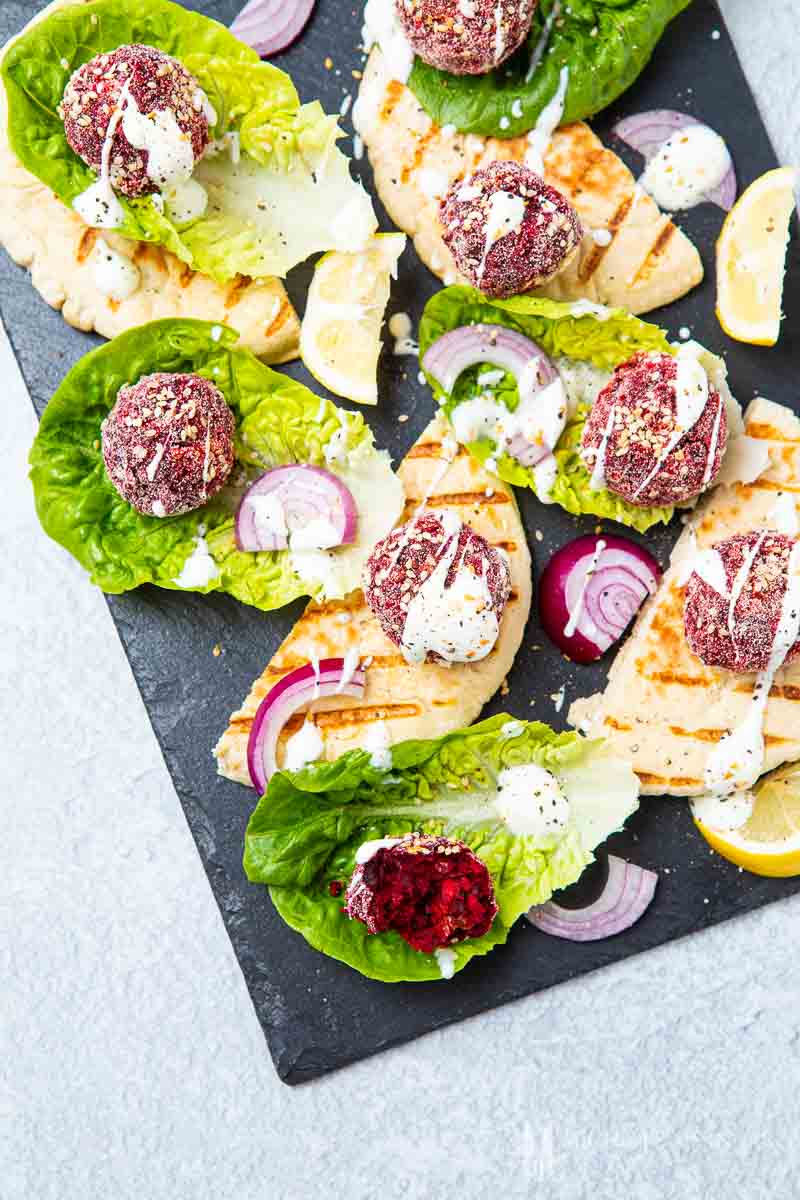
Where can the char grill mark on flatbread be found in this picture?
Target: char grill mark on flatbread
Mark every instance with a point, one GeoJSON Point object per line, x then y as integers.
{"type": "Point", "coordinates": [43, 235]}
{"type": "Point", "coordinates": [424, 700]}
{"type": "Point", "coordinates": [648, 262]}
{"type": "Point", "coordinates": [662, 707]}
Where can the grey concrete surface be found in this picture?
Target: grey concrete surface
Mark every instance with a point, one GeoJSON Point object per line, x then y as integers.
{"type": "Point", "coordinates": [131, 1064]}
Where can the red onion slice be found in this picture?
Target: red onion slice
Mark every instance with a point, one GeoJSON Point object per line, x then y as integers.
{"type": "Point", "coordinates": [626, 896]}
{"type": "Point", "coordinates": [295, 691]}
{"type": "Point", "coordinates": [269, 26]}
{"type": "Point", "coordinates": [300, 494]}
{"type": "Point", "coordinates": [646, 133]}
{"type": "Point", "coordinates": [473, 345]}
{"type": "Point", "coordinates": [591, 590]}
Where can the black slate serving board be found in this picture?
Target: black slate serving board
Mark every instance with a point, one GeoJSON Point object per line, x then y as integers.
{"type": "Point", "coordinates": [318, 1015]}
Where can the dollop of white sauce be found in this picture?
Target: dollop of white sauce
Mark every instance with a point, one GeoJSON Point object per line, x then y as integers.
{"type": "Point", "coordinates": [455, 622]}
{"type": "Point", "coordinates": [724, 812]}
{"type": "Point", "coordinates": [269, 517]}
{"type": "Point", "coordinates": [170, 157]}
{"type": "Point", "coordinates": [186, 201]}
{"type": "Point", "coordinates": [688, 166]}
{"type": "Point", "coordinates": [601, 237]}
{"type": "Point", "coordinates": [545, 475]}
{"type": "Point", "coordinates": [199, 570]}
{"type": "Point", "coordinates": [382, 28]}
{"type": "Point", "coordinates": [368, 850]}
{"type": "Point", "coordinates": [588, 308]}
{"type": "Point", "coordinates": [318, 534]}
{"type": "Point", "coordinates": [378, 744]}
{"type": "Point", "coordinates": [98, 206]}
{"type": "Point", "coordinates": [432, 182]}
{"type": "Point", "coordinates": [531, 801]}
{"type": "Point", "coordinates": [540, 416]}
{"type": "Point", "coordinates": [541, 135]}
{"type": "Point", "coordinates": [304, 747]}
{"type": "Point", "coordinates": [446, 958]}
{"type": "Point", "coordinates": [113, 274]}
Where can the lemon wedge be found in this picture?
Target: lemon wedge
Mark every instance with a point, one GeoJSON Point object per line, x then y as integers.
{"type": "Point", "coordinates": [767, 842]}
{"type": "Point", "coordinates": [751, 259]}
{"type": "Point", "coordinates": [340, 336]}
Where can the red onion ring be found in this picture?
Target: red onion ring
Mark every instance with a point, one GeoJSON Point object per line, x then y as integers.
{"type": "Point", "coordinates": [472, 345]}
{"type": "Point", "coordinates": [269, 26]}
{"type": "Point", "coordinates": [305, 494]}
{"type": "Point", "coordinates": [589, 593]}
{"type": "Point", "coordinates": [646, 133]}
{"type": "Point", "coordinates": [296, 690]}
{"type": "Point", "coordinates": [626, 896]}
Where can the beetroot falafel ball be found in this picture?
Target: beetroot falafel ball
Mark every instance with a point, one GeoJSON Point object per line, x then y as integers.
{"type": "Point", "coordinates": [466, 37]}
{"type": "Point", "coordinates": [742, 640]}
{"type": "Point", "coordinates": [508, 230]}
{"type": "Point", "coordinates": [431, 890]}
{"type": "Point", "coordinates": [168, 443]}
{"type": "Point", "coordinates": [154, 83]}
{"type": "Point", "coordinates": [477, 581]}
{"type": "Point", "coordinates": [633, 422]}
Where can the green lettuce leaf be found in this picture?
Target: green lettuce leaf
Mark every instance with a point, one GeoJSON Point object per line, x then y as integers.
{"type": "Point", "coordinates": [306, 830]}
{"type": "Point", "coordinates": [603, 339]}
{"type": "Point", "coordinates": [281, 202]}
{"type": "Point", "coordinates": [605, 44]}
{"type": "Point", "coordinates": [277, 421]}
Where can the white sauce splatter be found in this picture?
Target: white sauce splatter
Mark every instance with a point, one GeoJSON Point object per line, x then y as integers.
{"type": "Point", "coordinates": [446, 958]}
{"type": "Point", "coordinates": [199, 570]}
{"type": "Point", "coordinates": [368, 850]}
{"type": "Point", "coordinates": [723, 812]}
{"type": "Point", "coordinates": [378, 744]}
{"type": "Point", "coordinates": [505, 216]}
{"type": "Point", "coordinates": [113, 274]}
{"type": "Point", "coordinates": [531, 802]}
{"type": "Point", "coordinates": [541, 135]}
{"type": "Point", "coordinates": [186, 201]}
{"type": "Point", "coordinates": [170, 157]}
{"type": "Point", "coordinates": [400, 328]}
{"type": "Point", "coordinates": [382, 28]}
{"type": "Point", "coordinates": [689, 165]}
{"type": "Point", "coordinates": [304, 747]}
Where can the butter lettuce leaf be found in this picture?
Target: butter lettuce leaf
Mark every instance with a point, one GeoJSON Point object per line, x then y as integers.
{"type": "Point", "coordinates": [278, 184]}
{"type": "Point", "coordinates": [304, 833]}
{"type": "Point", "coordinates": [604, 43]}
{"type": "Point", "coordinates": [603, 338]}
{"type": "Point", "coordinates": [277, 421]}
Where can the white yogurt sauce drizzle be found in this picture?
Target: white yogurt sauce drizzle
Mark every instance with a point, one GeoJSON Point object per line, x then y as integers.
{"type": "Point", "coordinates": [541, 135]}
{"type": "Point", "coordinates": [499, 37]}
{"type": "Point", "coordinates": [456, 622]}
{"type": "Point", "coordinates": [506, 212]}
{"type": "Point", "coordinates": [689, 165]}
{"type": "Point", "coordinates": [575, 615]}
{"type": "Point", "coordinates": [598, 476]}
{"type": "Point", "coordinates": [691, 397]}
{"type": "Point", "coordinates": [544, 38]}
{"type": "Point", "coordinates": [446, 958]}
{"type": "Point", "coordinates": [199, 570]}
{"type": "Point", "coordinates": [723, 812]}
{"type": "Point", "coordinates": [98, 205]}
{"type": "Point", "coordinates": [170, 157]}
{"type": "Point", "coordinates": [368, 850]}
{"type": "Point", "coordinates": [186, 201]}
{"type": "Point", "coordinates": [737, 760]}
{"type": "Point", "coordinates": [378, 744]}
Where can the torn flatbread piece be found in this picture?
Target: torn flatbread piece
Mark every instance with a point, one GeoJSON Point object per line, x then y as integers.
{"type": "Point", "coordinates": [662, 707]}
{"type": "Point", "coordinates": [64, 255]}
{"type": "Point", "coordinates": [632, 255]}
{"type": "Point", "coordinates": [413, 701]}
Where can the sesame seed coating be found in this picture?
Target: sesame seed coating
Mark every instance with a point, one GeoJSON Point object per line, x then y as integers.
{"type": "Point", "coordinates": [546, 239]}
{"type": "Point", "coordinates": [643, 395]}
{"type": "Point", "coordinates": [156, 83]}
{"type": "Point", "coordinates": [466, 37]}
{"type": "Point", "coordinates": [401, 563]}
{"type": "Point", "coordinates": [433, 891]}
{"type": "Point", "coordinates": [746, 643]}
{"type": "Point", "coordinates": [168, 443]}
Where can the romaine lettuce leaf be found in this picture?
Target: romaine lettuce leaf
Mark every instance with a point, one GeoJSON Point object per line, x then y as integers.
{"type": "Point", "coordinates": [306, 830]}
{"type": "Point", "coordinates": [283, 200]}
{"type": "Point", "coordinates": [605, 340]}
{"type": "Point", "coordinates": [277, 421]}
{"type": "Point", "coordinates": [605, 44]}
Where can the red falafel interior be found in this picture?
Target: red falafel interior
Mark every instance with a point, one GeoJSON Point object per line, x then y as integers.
{"type": "Point", "coordinates": [664, 446]}
{"type": "Point", "coordinates": [144, 452]}
{"type": "Point", "coordinates": [408, 871]}
{"type": "Point", "coordinates": [157, 122]}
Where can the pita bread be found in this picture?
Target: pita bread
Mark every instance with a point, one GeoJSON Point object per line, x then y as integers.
{"type": "Point", "coordinates": [422, 701]}
{"type": "Point", "coordinates": [42, 234]}
{"type": "Point", "coordinates": [662, 708]}
{"type": "Point", "coordinates": [647, 263]}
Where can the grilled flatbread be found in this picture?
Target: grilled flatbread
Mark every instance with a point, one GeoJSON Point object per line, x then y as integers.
{"type": "Point", "coordinates": [42, 234]}
{"type": "Point", "coordinates": [662, 708]}
{"type": "Point", "coordinates": [422, 701]}
{"type": "Point", "coordinates": [647, 263]}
